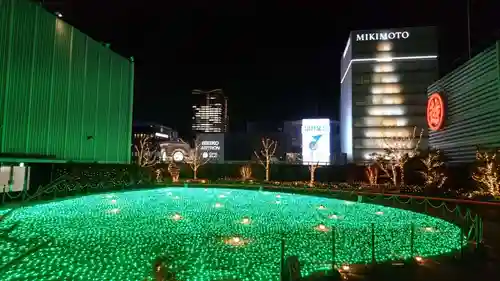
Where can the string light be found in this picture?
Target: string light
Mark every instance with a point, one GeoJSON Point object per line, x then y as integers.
{"type": "Point", "coordinates": [322, 227]}
{"type": "Point", "coordinates": [204, 243]}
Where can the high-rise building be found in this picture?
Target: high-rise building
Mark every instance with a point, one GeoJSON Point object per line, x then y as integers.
{"type": "Point", "coordinates": [384, 78]}
{"type": "Point", "coordinates": [210, 111]}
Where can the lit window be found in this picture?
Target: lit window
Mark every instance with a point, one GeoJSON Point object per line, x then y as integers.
{"type": "Point", "coordinates": [386, 110]}
{"type": "Point", "coordinates": [387, 100]}
{"type": "Point", "coordinates": [384, 67]}
{"type": "Point", "coordinates": [384, 56]}
{"type": "Point", "coordinates": [385, 78]}
{"type": "Point", "coordinates": [394, 122]}
{"type": "Point", "coordinates": [386, 89]}
{"type": "Point", "coordinates": [384, 46]}
{"type": "Point", "coordinates": [387, 133]}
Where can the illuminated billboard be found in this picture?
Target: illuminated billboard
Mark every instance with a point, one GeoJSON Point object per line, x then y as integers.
{"type": "Point", "coordinates": [212, 147]}
{"type": "Point", "coordinates": [316, 141]}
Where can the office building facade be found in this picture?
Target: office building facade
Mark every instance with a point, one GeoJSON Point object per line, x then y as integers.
{"type": "Point", "coordinates": [209, 111]}
{"type": "Point", "coordinates": [384, 78]}
{"type": "Point", "coordinates": [464, 108]}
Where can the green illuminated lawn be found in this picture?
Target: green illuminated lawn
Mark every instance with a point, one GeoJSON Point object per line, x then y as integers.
{"type": "Point", "coordinates": [214, 234]}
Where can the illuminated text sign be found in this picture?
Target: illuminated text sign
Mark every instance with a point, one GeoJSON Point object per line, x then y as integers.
{"type": "Point", "coordinates": [376, 36]}
{"type": "Point", "coordinates": [211, 146]}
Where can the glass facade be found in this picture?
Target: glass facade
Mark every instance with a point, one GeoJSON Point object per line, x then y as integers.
{"type": "Point", "coordinates": [383, 88]}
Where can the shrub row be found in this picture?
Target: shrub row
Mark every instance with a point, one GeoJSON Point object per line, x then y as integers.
{"type": "Point", "coordinates": [42, 174]}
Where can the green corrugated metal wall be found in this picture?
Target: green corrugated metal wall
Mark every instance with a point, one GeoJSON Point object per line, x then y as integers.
{"type": "Point", "coordinates": [472, 96]}
{"type": "Point", "coordinates": [58, 87]}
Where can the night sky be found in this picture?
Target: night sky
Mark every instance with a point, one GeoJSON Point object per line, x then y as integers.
{"type": "Point", "coordinates": [275, 60]}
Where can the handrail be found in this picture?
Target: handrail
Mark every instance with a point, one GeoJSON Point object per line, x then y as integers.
{"type": "Point", "coordinates": [461, 201]}
{"type": "Point", "coordinates": [367, 193]}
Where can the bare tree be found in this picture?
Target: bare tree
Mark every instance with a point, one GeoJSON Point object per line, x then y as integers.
{"type": "Point", "coordinates": [266, 153]}
{"type": "Point", "coordinates": [245, 172]}
{"type": "Point", "coordinates": [312, 171]}
{"type": "Point", "coordinates": [371, 171]}
{"type": "Point", "coordinates": [487, 174]}
{"type": "Point", "coordinates": [397, 151]}
{"type": "Point", "coordinates": [387, 166]}
{"type": "Point", "coordinates": [174, 172]}
{"type": "Point", "coordinates": [432, 174]}
{"type": "Point", "coordinates": [195, 158]}
{"type": "Point", "coordinates": [145, 153]}
{"type": "Point", "coordinates": [159, 175]}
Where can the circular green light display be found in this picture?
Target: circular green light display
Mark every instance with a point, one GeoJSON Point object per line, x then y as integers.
{"type": "Point", "coordinates": [208, 234]}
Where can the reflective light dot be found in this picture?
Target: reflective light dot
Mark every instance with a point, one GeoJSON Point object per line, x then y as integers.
{"type": "Point", "coordinates": [114, 211]}
{"type": "Point", "coordinates": [322, 227]}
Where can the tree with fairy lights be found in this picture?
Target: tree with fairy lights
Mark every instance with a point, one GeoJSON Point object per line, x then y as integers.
{"type": "Point", "coordinates": [432, 173]}
{"type": "Point", "coordinates": [398, 150]}
{"type": "Point", "coordinates": [174, 171]}
{"type": "Point", "coordinates": [145, 153]}
{"type": "Point", "coordinates": [245, 172]}
{"type": "Point", "coordinates": [371, 171]}
{"type": "Point", "coordinates": [487, 173]}
{"type": "Point", "coordinates": [266, 153]}
{"type": "Point", "coordinates": [312, 171]}
{"type": "Point", "coordinates": [196, 158]}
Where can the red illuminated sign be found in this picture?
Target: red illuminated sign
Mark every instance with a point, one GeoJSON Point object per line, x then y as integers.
{"type": "Point", "coordinates": [435, 112]}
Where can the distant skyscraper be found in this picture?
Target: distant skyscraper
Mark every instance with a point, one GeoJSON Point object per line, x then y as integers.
{"type": "Point", "coordinates": [210, 111]}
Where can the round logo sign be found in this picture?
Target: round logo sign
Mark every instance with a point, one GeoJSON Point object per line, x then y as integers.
{"type": "Point", "coordinates": [435, 112]}
{"type": "Point", "coordinates": [178, 156]}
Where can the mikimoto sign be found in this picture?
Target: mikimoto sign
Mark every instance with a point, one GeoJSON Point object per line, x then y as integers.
{"type": "Point", "coordinates": [379, 36]}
